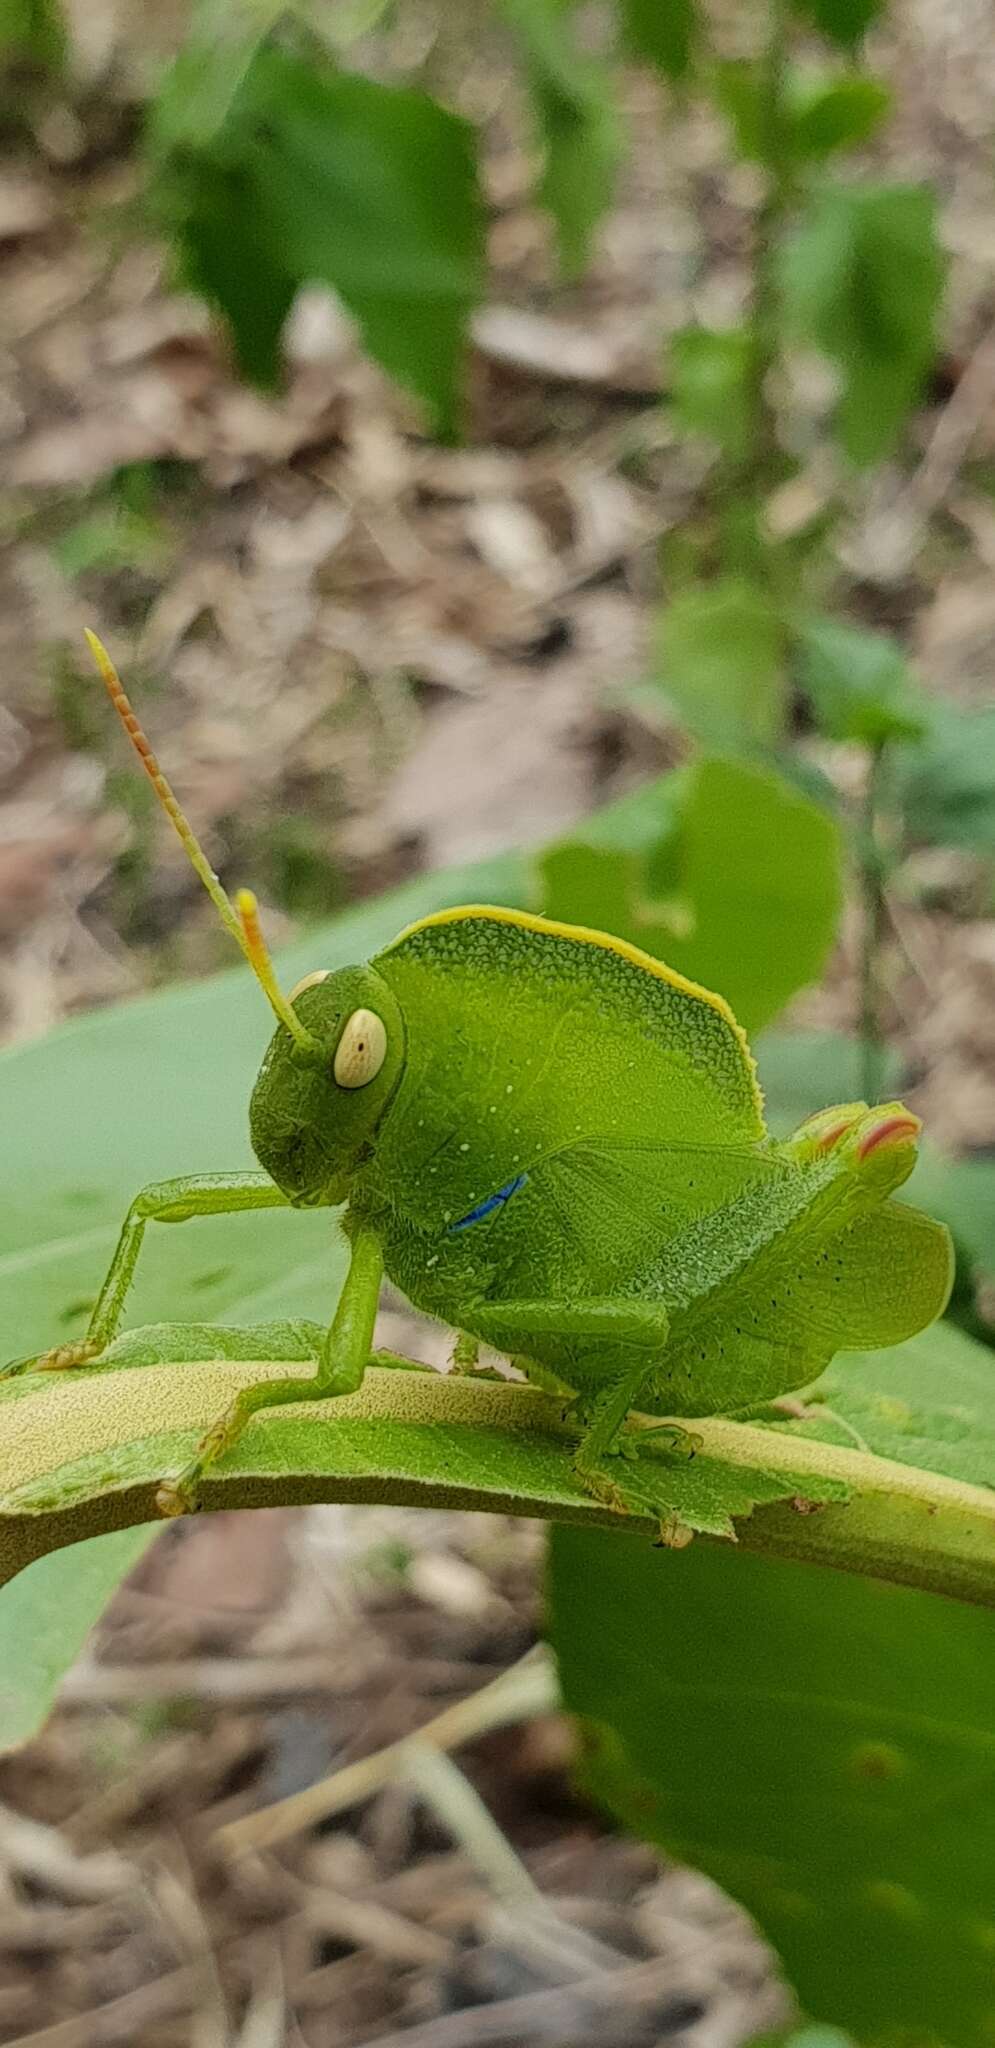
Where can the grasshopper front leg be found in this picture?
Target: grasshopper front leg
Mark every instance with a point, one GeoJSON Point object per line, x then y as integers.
{"type": "Point", "coordinates": [341, 1365]}
{"type": "Point", "coordinates": [165, 1201]}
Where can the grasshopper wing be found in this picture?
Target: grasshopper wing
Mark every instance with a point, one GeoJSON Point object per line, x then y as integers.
{"type": "Point", "coordinates": [780, 1321]}
{"type": "Point", "coordinates": [530, 1042]}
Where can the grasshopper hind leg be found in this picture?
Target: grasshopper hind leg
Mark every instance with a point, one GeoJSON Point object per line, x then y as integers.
{"type": "Point", "coordinates": [605, 1437]}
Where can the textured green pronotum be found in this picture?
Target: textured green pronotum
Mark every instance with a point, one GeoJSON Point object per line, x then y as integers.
{"type": "Point", "coordinates": [554, 1144]}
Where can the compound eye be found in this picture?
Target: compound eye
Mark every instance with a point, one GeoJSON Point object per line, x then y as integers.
{"type": "Point", "coordinates": [361, 1050]}
{"type": "Point", "coordinates": [309, 981]}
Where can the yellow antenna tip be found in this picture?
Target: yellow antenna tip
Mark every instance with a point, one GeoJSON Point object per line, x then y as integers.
{"type": "Point", "coordinates": [98, 650]}
{"type": "Point", "coordinates": [257, 954]}
{"type": "Point", "coordinates": [247, 906]}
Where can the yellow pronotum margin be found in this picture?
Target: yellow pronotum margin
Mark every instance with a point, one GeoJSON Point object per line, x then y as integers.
{"type": "Point", "coordinates": [528, 921]}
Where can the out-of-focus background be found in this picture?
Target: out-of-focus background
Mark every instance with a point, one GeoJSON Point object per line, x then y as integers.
{"type": "Point", "coordinates": [662, 440]}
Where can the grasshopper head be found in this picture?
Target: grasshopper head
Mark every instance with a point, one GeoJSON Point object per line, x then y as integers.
{"type": "Point", "coordinates": [315, 1109]}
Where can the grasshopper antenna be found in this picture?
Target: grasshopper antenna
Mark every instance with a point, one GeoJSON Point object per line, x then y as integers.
{"type": "Point", "coordinates": [240, 918]}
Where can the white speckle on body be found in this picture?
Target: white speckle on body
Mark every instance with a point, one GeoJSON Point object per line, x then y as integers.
{"type": "Point", "coordinates": [465, 1147]}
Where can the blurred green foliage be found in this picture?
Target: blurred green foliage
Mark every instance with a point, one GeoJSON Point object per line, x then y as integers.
{"type": "Point", "coordinates": [859, 684]}
{"type": "Point", "coordinates": [722, 663]}
{"type": "Point", "coordinates": [820, 1745]}
{"type": "Point", "coordinates": [579, 131]}
{"type": "Point", "coordinates": [749, 873]}
{"type": "Point", "coordinates": [863, 279]}
{"type": "Point", "coordinates": [275, 169]}
{"type": "Point", "coordinates": [32, 34]}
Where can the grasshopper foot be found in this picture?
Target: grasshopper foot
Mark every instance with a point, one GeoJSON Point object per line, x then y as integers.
{"type": "Point", "coordinates": [625, 1495]}
{"type": "Point", "coordinates": [61, 1359]}
{"type": "Point", "coordinates": [15, 1366]}
{"type": "Point", "coordinates": [669, 1437]}
{"type": "Point", "coordinates": [174, 1497]}
{"type": "Point", "coordinates": [181, 1494]}
{"type": "Point", "coordinates": [600, 1485]}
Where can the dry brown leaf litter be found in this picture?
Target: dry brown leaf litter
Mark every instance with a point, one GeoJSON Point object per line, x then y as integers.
{"type": "Point", "coordinates": [121, 1919]}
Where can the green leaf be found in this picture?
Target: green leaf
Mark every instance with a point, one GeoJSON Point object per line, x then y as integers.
{"type": "Point", "coordinates": [819, 1745]}
{"type": "Point", "coordinates": [929, 1402]}
{"type": "Point", "coordinates": [199, 90]}
{"type": "Point", "coordinates": [961, 1192]}
{"type": "Point", "coordinates": [843, 21]}
{"type": "Point", "coordinates": [721, 664]}
{"type": "Point", "coordinates": [863, 279]}
{"type": "Point", "coordinates": [756, 894]}
{"type": "Point", "coordinates": [710, 373]}
{"type": "Point", "coordinates": [800, 1071]}
{"type": "Point", "coordinates": [316, 175]}
{"type": "Point", "coordinates": [809, 2037]}
{"type": "Point", "coordinates": [760, 868]}
{"type": "Point", "coordinates": [595, 886]}
{"type": "Point", "coordinates": [947, 786]}
{"type": "Point", "coordinates": [829, 114]}
{"type": "Point", "coordinates": [859, 684]}
{"type": "Point", "coordinates": [816, 115]}
{"type": "Point", "coordinates": [661, 32]}
{"type": "Point", "coordinates": [255, 297]}
{"type": "Point", "coordinates": [407, 1434]}
{"type": "Point", "coordinates": [642, 822]}
{"type": "Point", "coordinates": [86, 1453]}
{"type": "Point", "coordinates": [708, 1496]}
{"type": "Point", "coordinates": [33, 32]}
{"type": "Point", "coordinates": [742, 95]}
{"type": "Point", "coordinates": [577, 121]}
{"type": "Point", "coordinates": [45, 1618]}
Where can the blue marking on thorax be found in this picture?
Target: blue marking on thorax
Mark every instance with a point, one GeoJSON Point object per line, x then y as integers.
{"type": "Point", "coordinates": [492, 1202]}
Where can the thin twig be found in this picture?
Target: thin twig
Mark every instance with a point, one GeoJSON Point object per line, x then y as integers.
{"type": "Point", "coordinates": [459, 1806]}
{"type": "Point", "coordinates": [874, 921]}
{"type": "Point", "coordinates": [537, 2015]}
{"type": "Point", "coordinates": [209, 1678]}
{"type": "Point", "coordinates": [122, 2019]}
{"type": "Point", "coordinates": [764, 454]}
{"type": "Point", "coordinates": [528, 1688]}
{"type": "Point", "coordinates": [265, 2022]}
{"type": "Point", "coordinates": [949, 443]}
{"type": "Point", "coordinates": [365, 1923]}
{"type": "Point", "coordinates": [177, 1899]}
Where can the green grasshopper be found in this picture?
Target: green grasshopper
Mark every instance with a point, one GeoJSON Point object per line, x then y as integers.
{"type": "Point", "coordinates": [554, 1144]}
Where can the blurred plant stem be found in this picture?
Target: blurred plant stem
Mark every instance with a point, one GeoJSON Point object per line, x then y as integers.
{"type": "Point", "coordinates": [874, 911]}
{"type": "Point", "coordinates": [752, 477]}
{"type": "Point", "coordinates": [764, 456]}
